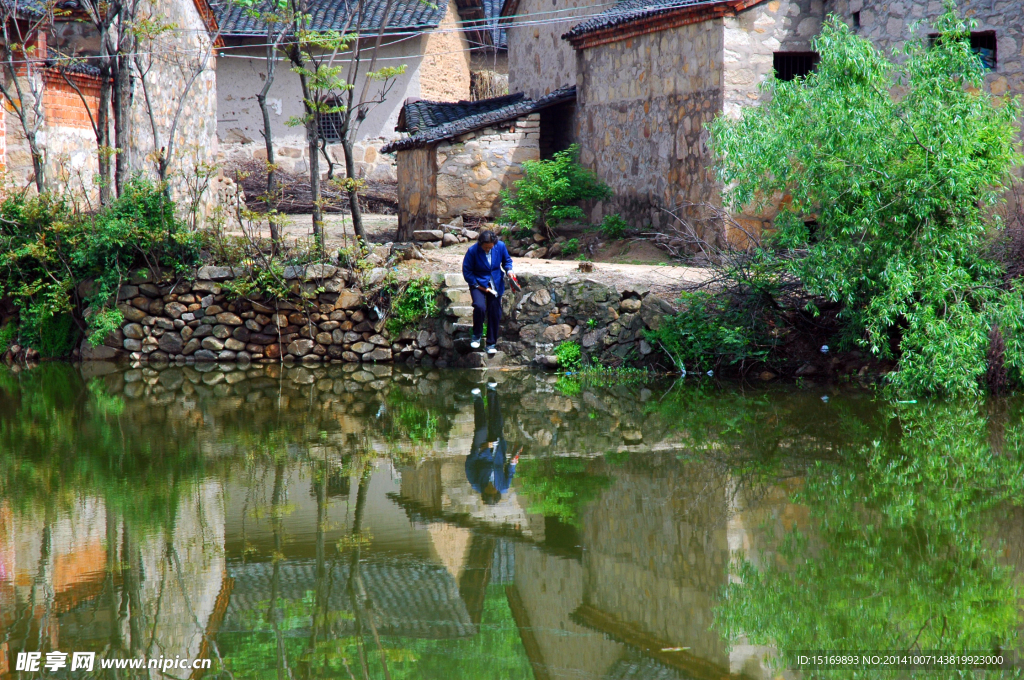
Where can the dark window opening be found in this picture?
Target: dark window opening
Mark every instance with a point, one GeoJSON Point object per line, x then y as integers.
{"type": "Point", "coordinates": [557, 128]}
{"type": "Point", "coordinates": [856, 21]}
{"type": "Point", "coordinates": [790, 65]}
{"type": "Point", "coordinates": [330, 126]}
{"type": "Point", "coordinates": [983, 44]}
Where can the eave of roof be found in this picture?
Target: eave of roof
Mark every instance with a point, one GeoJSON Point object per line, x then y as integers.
{"type": "Point", "coordinates": [471, 123]}
{"type": "Point", "coordinates": [594, 32]}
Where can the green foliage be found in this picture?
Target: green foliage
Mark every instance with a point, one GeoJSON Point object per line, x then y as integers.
{"type": "Point", "coordinates": [709, 331]}
{"type": "Point", "coordinates": [570, 356]}
{"type": "Point", "coordinates": [46, 251]}
{"type": "Point", "coordinates": [899, 166]}
{"type": "Point", "coordinates": [550, 192]}
{"type": "Point", "coordinates": [559, 486]}
{"type": "Point", "coordinates": [613, 226]}
{"type": "Point", "coordinates": [416, 301]}
{"type": "Point", "coordinates": [571, 247]}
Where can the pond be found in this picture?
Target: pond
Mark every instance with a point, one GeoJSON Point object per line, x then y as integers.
{"type": "Point", "coordinates": [375, 522]}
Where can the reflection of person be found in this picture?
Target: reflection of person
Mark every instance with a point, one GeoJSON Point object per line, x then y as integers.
{"type": "Point", "coordinates": [482, 269]}
{"type": "Point", "coordinates": [488, 471]}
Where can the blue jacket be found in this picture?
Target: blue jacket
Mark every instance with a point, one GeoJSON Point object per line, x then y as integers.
{"type": "Point", "coordinates": [489, 465]}
{"type": "Point", "coordinates": [476, 271]}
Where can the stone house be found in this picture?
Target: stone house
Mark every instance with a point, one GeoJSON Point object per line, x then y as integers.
{"type": "Point", "coordinates": [65, 55]}
{"type": "Point", "coordinates": [440, 44]}
{"type": "Point", "coordinates": [460, 155]}
{"type": "Point", "coordinates": [650, 73]}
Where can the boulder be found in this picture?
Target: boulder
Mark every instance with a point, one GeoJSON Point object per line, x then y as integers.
{"type": "Point", "coordinates": [379, 354]}
{"type": "Point", "coordinates": [171, 343]}
{"type": "Point", "coordinates": [215, 273]}
{"type": "Point", "coordinates": [653, 310]}
{"type": "Point", "coordinates": [348, 299]}
{"type": "Point", "coordinates": [213, 344]}
{"type": "Point", "coordinates": [190, 347]}
{"type": "Point", "coordinates": [377, 274]}
{"type": "Point", "coordinates": [301, 347]}
{"type": "Point", "coordinates": [234, 345]}
{"type": "Point", "coordinates": [426, 235]}
{"type": "Point", "coordinates": [363, 347]}
{"type": "Point", "coordinates": [556, 333]}
{"type": "Point", "coordinates": [133, 331]}
{"type": "Point", "coordinates": [229, 319]}
{"type": "Point", "coordinates": [449, 240]}
{"type": "Point", "coordinates": [205, 355]}
{"type": "Point", "coordinates": [629, 306]}
{"type": "Point", "coordinates": [132, 313]}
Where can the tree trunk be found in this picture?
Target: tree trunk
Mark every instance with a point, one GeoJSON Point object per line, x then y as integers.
{"type": "Point", "coordinates": [123, 95]}
{"type": "Point", "coordinates": [38, 163]}
{"type": "Point", "coordinates": [353, 192]}
{"type": "Point", "coordinates": [103, 133]}
{"type": "Point", "coordinates": [268, 138]}
{"type": "Point", "coordinates": [312, 137]}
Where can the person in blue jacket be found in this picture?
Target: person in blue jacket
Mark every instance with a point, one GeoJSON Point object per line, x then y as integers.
{"type": "Point", "coordinates": [488, 468]}
{"type": "Point", "coordinates": [482, 270]}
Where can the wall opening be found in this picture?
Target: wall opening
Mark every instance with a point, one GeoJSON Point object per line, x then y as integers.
{"type": "Point", "coordinates": [983, 44]}
{"type": "Point", "coordinates": [557, 131]}
{"type": "Point", "coordinates": [856, 21]}
{"type": "Point", "coordinates": [330, 125]}
{"type": "Point", "coordinates": [790, 65]}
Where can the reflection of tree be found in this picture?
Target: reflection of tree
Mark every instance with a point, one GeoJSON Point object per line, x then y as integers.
{"type": "Point", "coordinates": [898, 557]}
{"type": "Point", "coordinates": [560, 487]}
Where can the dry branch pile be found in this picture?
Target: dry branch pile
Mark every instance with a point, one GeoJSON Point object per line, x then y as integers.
{"type": "Point", "coordinates": [379, 198]}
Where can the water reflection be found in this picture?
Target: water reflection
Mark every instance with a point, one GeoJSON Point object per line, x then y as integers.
{"type": "Point", "coordinates": [328, 522]}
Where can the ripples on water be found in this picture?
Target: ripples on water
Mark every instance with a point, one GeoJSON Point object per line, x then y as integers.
{"type": "Point", "coordinates": [369, 523]}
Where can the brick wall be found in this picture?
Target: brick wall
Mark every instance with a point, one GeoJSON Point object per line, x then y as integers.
{"type": "Point", "coordinates": [62, 104]}
{"type": "Point", "coordinates": [444, 72]}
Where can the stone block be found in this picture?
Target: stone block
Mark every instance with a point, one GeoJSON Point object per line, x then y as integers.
{"type": "Point", "coordinates": [426, 235]}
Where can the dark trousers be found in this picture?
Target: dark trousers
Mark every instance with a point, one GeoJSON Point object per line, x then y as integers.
{"type": "Point", "coordinates": [486, 306]}
{"type": "Point", "coordinates": [487, 421]}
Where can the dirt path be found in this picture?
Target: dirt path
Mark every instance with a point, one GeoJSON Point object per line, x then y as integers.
{"type": "Point", "coordinates": [642, 266]}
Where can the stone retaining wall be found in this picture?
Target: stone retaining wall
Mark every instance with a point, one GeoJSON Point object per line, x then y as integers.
{"type": "Point", "coordinates": [186, 322]}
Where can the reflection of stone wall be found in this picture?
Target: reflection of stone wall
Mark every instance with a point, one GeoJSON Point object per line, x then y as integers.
{"type": "Point", "coordinates": [641, 107]}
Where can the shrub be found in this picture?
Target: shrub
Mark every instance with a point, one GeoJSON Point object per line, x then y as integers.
{"type": "Point", "coordinates": [899, 166]}
{"type": "Point", "coordinates": [416, 301]}
{"type": "Point", "coordinates": [613, 226]}
{"type": "Point", "coordinates": [46, 250]}
{"type": "Point", "coordinates": [570, 356]}
{"type": "Point", "coordinates": [709, 331]}
{"type": "Point", "coordinates": [550, 192]}
{"type": "Point", "coordinates": [571, 247]}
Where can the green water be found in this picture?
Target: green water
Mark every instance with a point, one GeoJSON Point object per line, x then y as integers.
{"type": "Point", "coordinates": [338, 522]}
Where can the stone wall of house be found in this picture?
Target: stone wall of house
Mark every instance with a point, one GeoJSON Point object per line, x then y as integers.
{"type": "Point", "coordinates": [444, 72]}
{"type": "Point", "coordinates": [473, 169]}
{"type": "Point", "coordinates": [292, 155]}
{"type": "Point", "coordinates": [417, 189]}
{"type": "Point", "coordinates": [751, 39]}
{"type": "Point", "coordinates": [539, 61]}
{"type": "Point", "coordinates": [889, 24]}
{"type": "Point", "coordinates": [641, 108]}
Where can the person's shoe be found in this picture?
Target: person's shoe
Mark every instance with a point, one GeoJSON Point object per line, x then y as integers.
{"type": "Point", "coordinates": [475, 343]}
{"type": "Point", "coordinates": [492, 350]}
{"type": "Point", "coordinates": [475, 391]}
{"type": "Point", "coordinates": [492, 384]}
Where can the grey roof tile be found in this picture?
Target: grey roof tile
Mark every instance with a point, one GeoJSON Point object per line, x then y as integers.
{"type": "Point", "coordinates": [328, 15]}
{"type": "Point", "coordinates": [628, 11]}
{"type": "Point", "coordinates": [423, 114]}
{"type": "Point", "coordinates": [476, 119]}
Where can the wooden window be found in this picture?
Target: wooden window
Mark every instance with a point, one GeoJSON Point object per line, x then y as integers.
{"type": "Point", "coordinates": [330, 127]}
{"type": "Point", "coordinates": [790, 65]}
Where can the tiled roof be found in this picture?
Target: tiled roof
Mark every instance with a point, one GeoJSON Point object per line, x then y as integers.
{"type": "Point", "coordinates": [330, 15]}
{"type": "Point", "coordinates": [422, 114]}
{"type": "Point", "coordinates": [410, 598]}
{"type": "Point", "coordinates": [479, 119]}
{"type": "Point", "coordinates": [79, 67]}
{"type": "Point", "coordinates": [628, 11]}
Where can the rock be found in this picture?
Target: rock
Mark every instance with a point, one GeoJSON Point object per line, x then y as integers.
{"type": "Point", "coordinates": [301, 347]}
{"type": "Point", "coordinates": [324, 338]}
{"type": "Point", "coordinates": [114, 338]}
{"type": "Point", "coordinates": [425, 235]}
{"type": "Point", "coordinates": [141, 303]}
{"type": "Point", "coordinates": [363, 347]}
{"type": "Point", "coordinates": [348, 299]}
{"type": "Point", "coordinates": [98, 353]}
{"type": "Point", "coordinates": [350, 357]}
{"type": "Point", "coordinates": [202, 331]}
{"type": "Point", "coordinates": [205, 355]}
{"type": "Point", "coordinates": [377, 274]}
{"type": "Point", "coordinates": [234, 345]}
{"type": "Point", "coordinates": [629, 306]}
{"type": "Point", "coordinates": [132, 345]}
{"type": "Point", "coordinates": [221, 332]}
{"type": "Point", "coordinates": [190, 347]}
{"type": "Point", "coordinates": [149, 290]}
{"type": "Point", "coordinates": [539, 238]}
{"type": "Point", "coordinates": [645, 348]}
{"type": "Point", "coordinates": [549, 361]}
{"type": "Point", "coordinates": [541, 298]}
{"type": "Point", "coordinates": [379, 341]}
{"type": "Point", "coordinates": [133, 331]}
{"type": "Point", "coordinates": [132, 313]}
{"type": "Point", "coordinates": [766, 375]}
{"type": "Point", "coordinates": [456, 223]}
{"type": "Point", "coordinates": [430, 245]}
{"type": "Point", "coordinates": [470, 234]}
{"type": "Point", "coordinates": [272, 351]}
{"type": "Point", "coordinates": [229, 319]}
{"type": "Point", "coordinates": [379, 354]}
{"type": "Point", "coordinates": [213, 344]}
{"type": "Point", "coordinates": [653, 310]}
{"type": "Point", "coordinates": [591, 338]}
{"type": "Point", "coordinates": [806, 369]}
{"type": "Point", "coordinates": [556, 333]}
{"type": "Point", "coordinates": [254, 325]}
{"type": "Point", "coordinates": [241, 333]}
{"type": "Point", "coordinates": [319, 271]}
{"type": "Point", "coordinates": [433, 350]}
{"type": "Point", "coordinates": [294, 272]}
{"type": "Point", "coordinates": [215, 273]}
{"type": "Point", "coordinates": [127, 292]}
{"type": "Point", "coordinates": [171, 343]}
{"type": "Point", "coordinates": [483, 360]}
{"type": "Point", "coordinates": [449, 240]}
{"type": "Point", "coordinates": [226, 355]}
